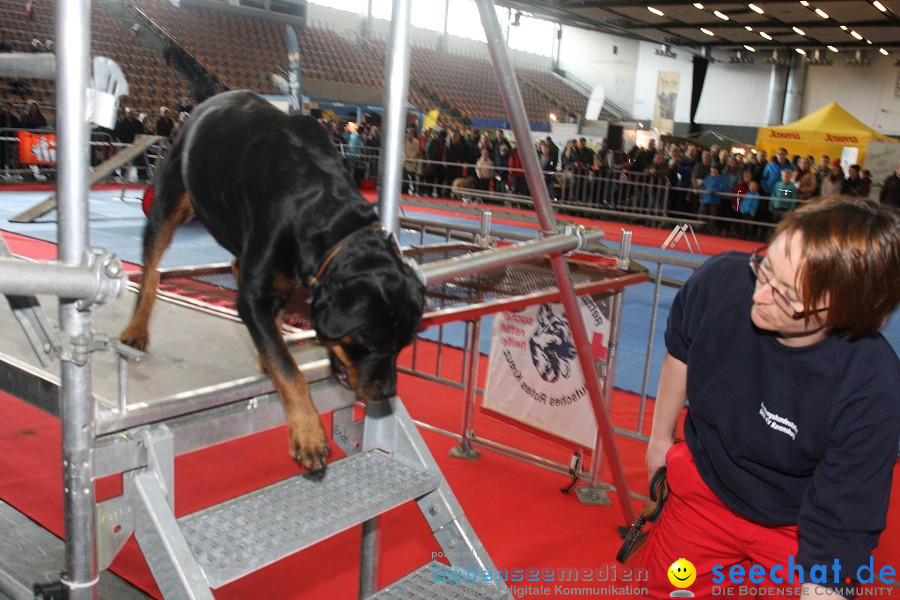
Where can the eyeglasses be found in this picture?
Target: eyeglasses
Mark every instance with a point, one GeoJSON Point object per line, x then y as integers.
{"type": "Point", "coordinates": [788, 306]}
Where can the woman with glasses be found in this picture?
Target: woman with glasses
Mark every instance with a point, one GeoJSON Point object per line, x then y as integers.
{"type": "Point", "coordinates": [794, 409]}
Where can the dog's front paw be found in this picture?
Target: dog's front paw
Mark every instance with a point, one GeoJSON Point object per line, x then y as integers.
{"type": "Point", "coordinates": [136, 337]}
{"type": "Point", "coordinates": [310, 448]}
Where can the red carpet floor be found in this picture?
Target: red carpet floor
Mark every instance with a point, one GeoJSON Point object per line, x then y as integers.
{"type": "Point", "coordinates": [517, 509]}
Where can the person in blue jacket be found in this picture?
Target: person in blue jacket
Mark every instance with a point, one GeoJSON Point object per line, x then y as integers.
{"type": "Point", "coordinates": [772, 172]}
{"type": "Point", "coordinates": [714, 185]}
{"type": "Point", "coordinates": [794, 409]}
{"type": "Point", "coordinates": [748, 209]}
{"type": "Point", "coordinates": [784, 196]}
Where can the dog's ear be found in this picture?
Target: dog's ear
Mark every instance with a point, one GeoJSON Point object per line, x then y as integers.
{"type": "Point", "coordinates": [335, 312]}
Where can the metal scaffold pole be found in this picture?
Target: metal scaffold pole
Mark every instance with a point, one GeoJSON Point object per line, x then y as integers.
{"type": "Point", "coordinates": [515, 109]}
{"type": "Point", "coordinates": [396, 76]}
{"type": "Point", "coordinates": [76, 404]}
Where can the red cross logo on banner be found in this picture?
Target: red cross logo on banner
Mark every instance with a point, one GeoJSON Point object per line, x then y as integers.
{"type": "Point", "coordinates": [598, 350]}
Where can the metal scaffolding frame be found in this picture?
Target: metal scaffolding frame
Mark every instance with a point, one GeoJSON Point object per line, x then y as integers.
{"type": "Point", "coordinates": [83, 277]}
{"type": "Point", "coordinates": [397, 76]}
{"type": "Point", "coordinates": [76, 280]}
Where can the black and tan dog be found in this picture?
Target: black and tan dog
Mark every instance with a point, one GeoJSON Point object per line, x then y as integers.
{"type": "Point", "coordinates": [272, 190]}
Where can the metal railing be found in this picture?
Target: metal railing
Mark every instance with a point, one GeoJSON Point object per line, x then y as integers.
{"type": "Point", "coordinates": [620, 194]}
{"type": "Point", "coordinates": [445, 366]}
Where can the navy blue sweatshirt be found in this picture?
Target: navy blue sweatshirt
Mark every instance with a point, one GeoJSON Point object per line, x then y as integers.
{"type": "Point", "coordinates": [787, 436]}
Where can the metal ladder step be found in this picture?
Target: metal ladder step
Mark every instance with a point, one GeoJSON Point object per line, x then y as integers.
{"type": "Point", "coordinates": [423, 584]}
{"type": "Point", "coordinates": [235, 538]}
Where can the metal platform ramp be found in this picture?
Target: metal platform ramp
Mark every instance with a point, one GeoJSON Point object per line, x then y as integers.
{"type": "Point", "coordinates": [228, 543]}
{"type": "Point", "coordinates": [388, 465]}
{"type": "Point", "coordinates": [198, 391]}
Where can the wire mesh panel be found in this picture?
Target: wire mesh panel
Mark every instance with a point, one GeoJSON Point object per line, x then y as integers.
{"type": "Point", "coordinates": [513, 286]}
{"type": "Point", "coordinates": [213, 288]}
{"type": "Point", "coordinates": [465, 297]}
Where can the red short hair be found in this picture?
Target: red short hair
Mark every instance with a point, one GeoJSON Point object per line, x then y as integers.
{"type": "Point", "coordinates": [851, 261]}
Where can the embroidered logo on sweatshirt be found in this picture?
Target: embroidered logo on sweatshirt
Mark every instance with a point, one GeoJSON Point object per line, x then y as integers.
{"type": "Point", "coordinates": [777, 423]}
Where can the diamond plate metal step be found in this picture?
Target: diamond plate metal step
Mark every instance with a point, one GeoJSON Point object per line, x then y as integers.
{"type": "Point", "coordinates": [233, 539]}
{"type": "Point", "coordinates": [421, 585]}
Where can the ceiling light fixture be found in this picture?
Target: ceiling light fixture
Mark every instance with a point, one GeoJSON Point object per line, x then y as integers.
{"type": "Point", "coordinates": [665, 50]}
{"type": "Point", "coordinates": [721, 15]}
{"type": "Point", "coordinates": [776, 59]}
{"type": "Point", "coordinates": [656, 11]}
{"type": "Point", "coordinates": [856, 35]}
{"type": "Point", "coordinates": [740, 58]}
{"type": "Point", "coordinates": [765, 35]}
{"type": "Point", "coordinates": [883, 51]}
{"type": "Point", "coordinates": [858, 59]}
{"type": "Point", "coordinates": [843, 28]}
{"type": "Point", "coordinates": [756, 9]}
{"type": "Point", "coordinates": [801, 51]}
{"type": "Point", "coordinates": [821, 13]}
{"type": "Point", "coordinates": [879, 6]}
{"type": "Point", "coordinates": [748, 28]}
{"type": "Point", "coordinates": [819, 60]}
{"type": "Point", "coordinates": [707, 31]}
{"type": "Point", "coordinates": [698, 5]}
{"type": "Point", "coordinates": [750, 48]}
{"type": "Point", "coordinates": [799, 31]}
{"type": "Point", "coordinates": [804, 2]}
{"type": "Point", "coordinates": [833, 49]}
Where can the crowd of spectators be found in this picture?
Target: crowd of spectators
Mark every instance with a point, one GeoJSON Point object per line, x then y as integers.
{"type": "Point", "coordinates": [31, 117]}
{"type": "Point", "coordinates": [734, 192]}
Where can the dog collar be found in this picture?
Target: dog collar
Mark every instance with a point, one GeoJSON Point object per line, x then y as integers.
{"type": "Point", "coordinates": [313, 281]}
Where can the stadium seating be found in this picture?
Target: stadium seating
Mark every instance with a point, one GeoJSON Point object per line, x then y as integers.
{"type": "Point", "coordinates": [152, 83]}
{"type": "Point", "coordinates": [243, 51]}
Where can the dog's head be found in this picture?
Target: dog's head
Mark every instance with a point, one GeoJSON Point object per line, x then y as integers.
{"type": "Point", "coordinates": [366, 310]}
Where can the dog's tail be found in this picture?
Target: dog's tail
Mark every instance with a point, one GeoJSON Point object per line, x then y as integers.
{"type": "Point", "coordinates": [204, 83]}
{"type": "Point", "coordinates": [207, 85]}
{"type": "Point", "coordinates": [168, 188]}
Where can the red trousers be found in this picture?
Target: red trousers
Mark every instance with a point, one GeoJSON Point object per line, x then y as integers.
{"type": "Point", "coordinates": [697, 526]}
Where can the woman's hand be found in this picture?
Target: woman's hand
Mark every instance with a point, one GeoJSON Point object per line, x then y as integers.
{"type": "Point", "coordinates": [656, 454]}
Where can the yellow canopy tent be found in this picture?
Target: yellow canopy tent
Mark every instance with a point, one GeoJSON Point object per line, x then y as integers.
{"type": "Point", "coordinates": [827, 131]}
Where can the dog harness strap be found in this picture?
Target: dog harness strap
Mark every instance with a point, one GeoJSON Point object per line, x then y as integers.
{"type": "Point", "coordinates": [314, 280]}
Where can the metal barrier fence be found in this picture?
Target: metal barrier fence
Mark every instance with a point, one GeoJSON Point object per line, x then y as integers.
{"type": "Point", "coordinates": [616, 190]}
{"type": "Point", "coordinates": [613, 193]}
{"type": "Point", "coordinates": [361, 162]}
{"type": "Point", "coordinates": [103, 146]}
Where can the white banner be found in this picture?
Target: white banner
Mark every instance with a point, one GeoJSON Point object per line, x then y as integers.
{"type": "Point", "coordinates": [533, 373]}
{"type": "Point", "coordinates": [666, 97]}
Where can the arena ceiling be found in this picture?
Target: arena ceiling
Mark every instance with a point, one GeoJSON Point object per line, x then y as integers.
{"type": "Point", "coordinates": [788, 24]}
